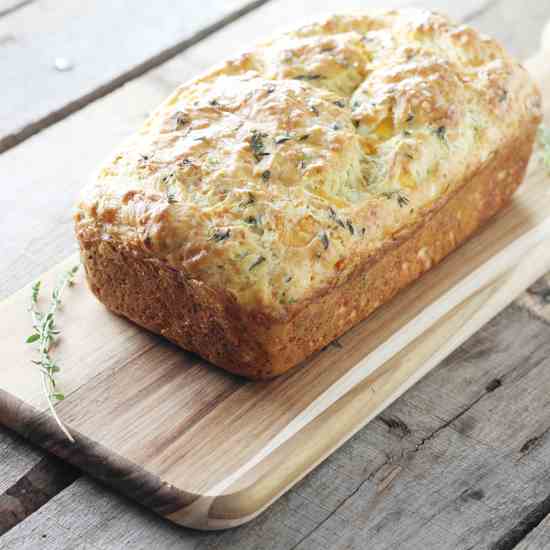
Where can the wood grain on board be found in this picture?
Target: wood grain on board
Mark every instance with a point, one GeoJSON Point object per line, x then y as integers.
{"type": "Point", "coordinates": [415, 477]}
{"type": "Point", "coordinates": [301, 507]}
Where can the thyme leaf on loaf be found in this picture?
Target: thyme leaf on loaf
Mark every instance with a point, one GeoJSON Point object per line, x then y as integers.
{"type": "Point", "coordinates": [402, 199]}
{"type": "Point", "coordinates": [44, 335]}
{"type": "Point", "coordinates": [257, 145]}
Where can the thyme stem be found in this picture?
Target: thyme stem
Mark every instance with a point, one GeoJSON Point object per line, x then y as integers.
{"type": "Point", "coordinates": [45, 333]}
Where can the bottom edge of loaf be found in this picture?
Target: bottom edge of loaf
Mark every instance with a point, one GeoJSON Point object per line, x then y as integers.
{"type": "Point", "coordinates": [200, 320]}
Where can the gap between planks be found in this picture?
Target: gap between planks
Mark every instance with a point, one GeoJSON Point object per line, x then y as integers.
{"type": "Point", "coordinates": [524, 526]}
{"type": "Point", "coordinates": [42, 482]}
{"type": "Point", "coordinates": [31, 128]}
{"type": "Point", "coordinates": [7, 7]}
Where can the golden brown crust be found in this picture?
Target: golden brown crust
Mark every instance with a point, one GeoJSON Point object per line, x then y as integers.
{"type": "Point", "coordinates": [269, 205]}
{"type": "Point", "coordinates": [201, 319]}
{"type": "Point", "coordinates": [278, 175]}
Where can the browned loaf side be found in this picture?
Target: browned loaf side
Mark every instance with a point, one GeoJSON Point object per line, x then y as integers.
{"type": "Point", "coordinates": [274, 202]}
{"type": "Point", "coordinates": [202, 320]}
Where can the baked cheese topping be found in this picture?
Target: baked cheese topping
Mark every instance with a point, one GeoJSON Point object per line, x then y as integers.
{"type": "Point", "coordinates": [274, 176]}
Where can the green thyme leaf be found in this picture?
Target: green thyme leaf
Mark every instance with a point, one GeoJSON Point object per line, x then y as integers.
{"type": "Point", "coordinates": [250, 200]}
{"type": "Point", "coordinates": [35, 291]}
{"type": "Point", "coordinates": [259, 260]}
{"type": "Point", "coordinates": [308, 77]}
{"type": "Point", "coordinates": [282, 139]}
{"type": "Point", "coordinates": [180, 121]}
{"type": "Point", "coordinates": [402, 199]}
{"type": "Point", "coordinates": [333, 216]}
{"type": "Point", "coordinates": [257, 145]}
{"type": "Point", "coordinates": [221, 234]}
{"type": "Point", "coordinates": [323, 237]}
{"type": "Point", "coordinates": [441, 133]}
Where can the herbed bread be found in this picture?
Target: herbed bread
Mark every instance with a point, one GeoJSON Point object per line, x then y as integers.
{"type": "Point", "coordinates": [269, 205]}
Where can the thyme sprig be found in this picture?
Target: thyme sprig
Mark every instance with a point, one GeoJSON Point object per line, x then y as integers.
{"type": "Point", "coordinates": [44, 335]}
{"type": "Point", "coordinates": [402, 199]}
{"type": "Point", "coordinates": [258, 145]}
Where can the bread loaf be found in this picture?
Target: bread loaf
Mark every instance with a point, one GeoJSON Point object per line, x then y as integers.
{"type": "Point", "coordinates": [269, 205]}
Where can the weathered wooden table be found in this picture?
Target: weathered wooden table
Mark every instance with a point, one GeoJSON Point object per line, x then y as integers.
{"type": "Point", "coordinates": [460, 461]}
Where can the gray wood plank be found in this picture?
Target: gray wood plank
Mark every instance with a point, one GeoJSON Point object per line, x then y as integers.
{"type": "Point", "coordinates": [16, 458]}
{"type": "Point", "coordinates": [58, 57]}
{"type": "Point", "coordinates": [410, 476]}
{"type": "Point", "coordinates": [466, 468]}
{"type": "Point", "coordinates": [89, 517]}
{"type": "Point", "coordinates": [28, 479]}
{"type": "Point", "coordinates": [44, 480]}
{"type": "Point", "coordinates": [425, 474]}
{"type": "Point", "coordinates": [517, 25]}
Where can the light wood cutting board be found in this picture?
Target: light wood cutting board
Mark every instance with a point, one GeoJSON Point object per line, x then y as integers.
{"type": "Point", "coordinates": [209, 450]}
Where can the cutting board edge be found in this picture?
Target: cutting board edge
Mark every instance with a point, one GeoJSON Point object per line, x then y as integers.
{"type": "Point", "coordinates": [202, 512]}
{"type": "Point", "coordinates": [247, 497]}
{"type": "Point", "coordinates": [198, 511]}
{"type": "Point", "coordinates": [104, 464]}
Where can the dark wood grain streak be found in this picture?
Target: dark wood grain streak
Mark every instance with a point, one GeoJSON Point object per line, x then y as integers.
{"type": "Point", "coordinates": [538, 538]}
{"type": "Point", "coordinates": [524, 526]}
{"type": "Point", "coordinates": [91, 457]}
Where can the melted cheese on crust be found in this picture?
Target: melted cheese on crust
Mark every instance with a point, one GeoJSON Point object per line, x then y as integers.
{"type": "Point", "coordinates": [279, 173]}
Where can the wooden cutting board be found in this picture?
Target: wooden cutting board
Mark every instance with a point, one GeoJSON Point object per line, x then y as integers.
{"type": "Point", "coordinates": [209, 450]}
